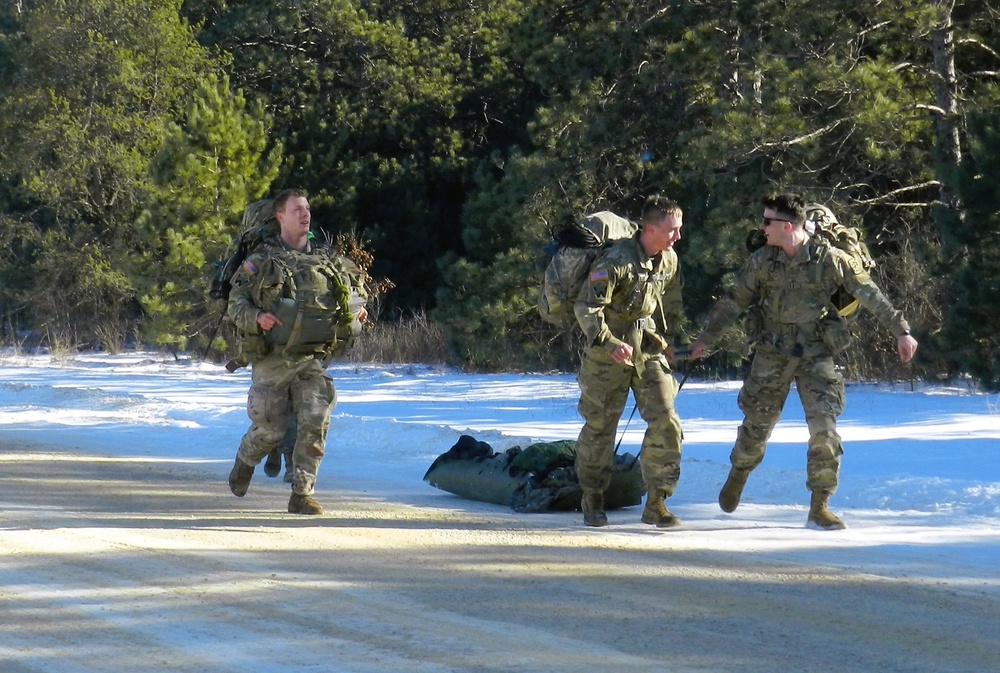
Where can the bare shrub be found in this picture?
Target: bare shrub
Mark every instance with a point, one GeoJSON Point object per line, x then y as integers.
{"type": "Point", "coordinates": [912, 288]}
{"type": "Point", "coordinates": [413, 339]}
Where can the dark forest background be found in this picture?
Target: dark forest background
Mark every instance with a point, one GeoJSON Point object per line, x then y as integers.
{"type": "Point", "coordinates": [449, 137]}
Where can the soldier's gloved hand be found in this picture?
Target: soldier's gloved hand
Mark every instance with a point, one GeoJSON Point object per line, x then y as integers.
{"type": "Point", "coordinates": [756, 239]}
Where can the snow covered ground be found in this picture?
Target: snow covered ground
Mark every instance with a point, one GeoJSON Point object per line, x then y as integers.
{"type": "Point", "coordinates": [104, 458]}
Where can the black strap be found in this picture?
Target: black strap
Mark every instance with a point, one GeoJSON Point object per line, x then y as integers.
{"type": "Point", "coordinates": [577, 236]}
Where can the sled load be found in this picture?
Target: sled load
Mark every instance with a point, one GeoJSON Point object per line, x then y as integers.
{"type": "Point", "coordinates": [538, 478]}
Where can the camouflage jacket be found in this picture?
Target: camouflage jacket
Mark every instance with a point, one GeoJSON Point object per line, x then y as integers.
{"type": "Point", "coordinates": [793, 295]}
{"type": "Point", "coordinates": [630, 297]}
{"type": "Point", "coordinates": [316, 293]}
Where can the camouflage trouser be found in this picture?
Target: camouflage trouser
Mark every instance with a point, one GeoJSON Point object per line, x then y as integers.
{"type": "Point", "coordinates": [604, 387]}
{"type": "Point", "coordinates": [287, 443]}
{"type": "Point", "coordinates": [280, 388]}
{"type": "Point", "coordinates": [821, 391]}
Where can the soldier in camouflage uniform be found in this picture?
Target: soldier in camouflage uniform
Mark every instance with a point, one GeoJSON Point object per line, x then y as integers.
{"type": "Point", "coordinates": [789, 283]}
{"type": "Point", "coordinates": [290, 276]}
{"type": "Point", "coordinates": [628, 308]}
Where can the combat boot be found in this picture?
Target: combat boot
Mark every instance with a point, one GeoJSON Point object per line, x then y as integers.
{"type": "Point", "coordinates": [239, 478]}
{"type": "Point", "coordinates": [657, 514]}
{"type": "Point", "coordinates": [732, 490]}
{"type": "Point", "coordinates": [303, 504]}
{"type": "Point", "coordinates": [272, 466]}
{"type": "Point", "coordinates": [820, 517]}
{"type": "Point", "coordinates": [289, 469]}
{"type": "Point", "coordinates": [592, 505]}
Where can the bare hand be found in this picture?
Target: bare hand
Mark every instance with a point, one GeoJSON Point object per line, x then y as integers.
{"type": "Point", "coordinates": [697, 350]}
{"type": "Point", "coordinates": [267, 320]}
{"type": "Point", "coordinates": [906, 345]}
{"type": "Point", "coordinates": [362, 315]}
{"type": "Point", "coordinates": [622, 354]}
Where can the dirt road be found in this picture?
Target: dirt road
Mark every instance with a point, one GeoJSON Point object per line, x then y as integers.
{"type": "Point", "coordinates": [130, 565]}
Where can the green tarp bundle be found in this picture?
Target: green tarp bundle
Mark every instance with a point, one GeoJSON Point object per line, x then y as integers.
{"type": "Point", "coordinates": [538, 478]}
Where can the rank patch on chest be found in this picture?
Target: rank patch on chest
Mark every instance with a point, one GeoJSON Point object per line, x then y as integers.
{"type": "Point", "coordinates": [598, 276]}
{"type": "Point", "coordinates": [249, 267]}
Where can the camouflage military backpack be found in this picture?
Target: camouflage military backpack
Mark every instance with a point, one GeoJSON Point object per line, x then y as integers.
{"type": "Point", "coordinates": [574, 248]}
{"type": "Point", "coordinates": [307, 324]}
{"type": "Point", "coordinates": [823, 224]}
{"type": "Point", "coordinates": [259, 224]}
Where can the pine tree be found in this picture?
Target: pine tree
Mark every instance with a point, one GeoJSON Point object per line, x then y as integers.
{"type": "Point", "coordinates": [971, 336]}
{"type": "Point", "coordinates": [212, 165]}
{"type": "Point", "coordinates": [89, 85]}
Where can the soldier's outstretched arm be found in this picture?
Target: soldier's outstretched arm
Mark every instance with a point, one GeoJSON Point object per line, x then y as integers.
{"type": "Point", "coordinates": [860, 284]}
{"type": "Point", "coordinates": [724, 313]}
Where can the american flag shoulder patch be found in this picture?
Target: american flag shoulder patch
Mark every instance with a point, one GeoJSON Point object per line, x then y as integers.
{"type": "Point", "coordinates": [599, 275]}
{"type": "Point", "coordinates": [249, 267]}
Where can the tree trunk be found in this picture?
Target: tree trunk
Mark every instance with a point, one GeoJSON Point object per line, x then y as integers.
{"type": "Point", "coordinates": [949, 144]}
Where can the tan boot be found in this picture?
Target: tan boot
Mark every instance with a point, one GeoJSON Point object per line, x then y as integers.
{"type": "Point", "coordinates": [239, 478]}
{"type": "Point", "coordinates": [592, 505]}
{"type": "Point", "coordinates": [732, 490]}
{"type": "Point", "coordinates": [303, 504]}
{"type": "Point", "coordinates": [820, 517]}
{"type": "Point", "coordinates": [657, 514]}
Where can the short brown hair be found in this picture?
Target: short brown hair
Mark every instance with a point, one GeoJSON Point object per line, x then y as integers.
{"type": "Point", "coordinates": [657, 207]}
{"type": "Point", "coordinates": [282, 198]}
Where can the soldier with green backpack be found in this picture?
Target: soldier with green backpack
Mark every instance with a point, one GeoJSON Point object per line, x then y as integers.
{"type": "Point", "coordinates": [629, 308]}
{"type": "Point", "coordinates": [800, 283]}
{"type": "Point", "coordinates": [295, 305]}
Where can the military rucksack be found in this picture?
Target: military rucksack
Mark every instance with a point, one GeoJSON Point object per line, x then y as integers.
{"type": "Point", "coordinates": [574, 248]}
{"type": "Point", "coordinates": [259, 224]}
{"type": "Point", "coordinates": [823, 224]}
{"type": "Point", "coordinates": [307, 322]}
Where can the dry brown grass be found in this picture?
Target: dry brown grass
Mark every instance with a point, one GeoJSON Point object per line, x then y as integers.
{"type": "Point", "coordinates": [414, 339]}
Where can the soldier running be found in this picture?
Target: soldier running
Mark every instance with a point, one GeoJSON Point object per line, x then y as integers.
{"type": "Point", "coordinates": [790, 281]}
{"type": "Point", "coordinates": [313, 289]}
